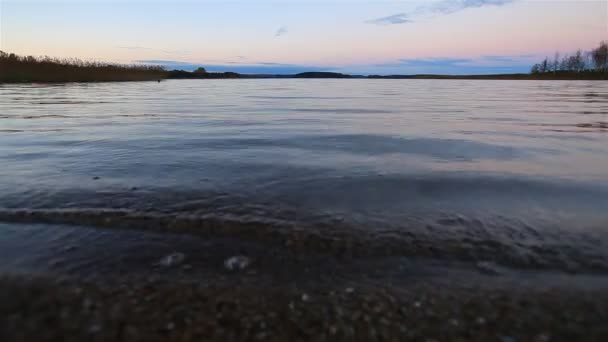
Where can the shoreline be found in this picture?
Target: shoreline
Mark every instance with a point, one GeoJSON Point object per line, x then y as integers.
{"type": "Point", "coordinates": [185, 75]}
{"type": "Point", "coordinates": [123, 294]}
{"type": "Point", "coordinates": [404, 77]}
{"type": "Point", "coordinates": [337, 238]}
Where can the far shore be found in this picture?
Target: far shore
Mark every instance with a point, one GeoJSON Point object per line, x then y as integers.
{"type": "Point", "coordinates": [184, 75]}
{"type": "Point", "coordinates": [29, 69]}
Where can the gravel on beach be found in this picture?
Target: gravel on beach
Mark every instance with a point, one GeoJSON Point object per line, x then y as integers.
{"type": "Point", "coordinates": [74, 283]}
{"type": "Point", "coordinates": [35, 308]}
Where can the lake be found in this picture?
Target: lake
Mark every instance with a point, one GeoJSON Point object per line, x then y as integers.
{"type": "Point", "coordinates": [512, 169]}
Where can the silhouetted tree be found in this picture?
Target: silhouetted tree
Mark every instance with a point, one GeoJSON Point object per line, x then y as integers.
{"type": "Point", "coordinates": [555, 65]}
{"type": "Point", "coordinates": [575, 62]}
{"type": "Point", "coordinates": [580, 61]}
{"type": "Point", "coordinates": [600, 57]}
{"type": "Point", "coordinates": [544, 65]}
{"type": "Point", "coordinates": [535, 69]}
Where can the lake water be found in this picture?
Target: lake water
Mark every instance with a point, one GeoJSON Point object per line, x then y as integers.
{"type": "Point", "coordinates": [513, 168]}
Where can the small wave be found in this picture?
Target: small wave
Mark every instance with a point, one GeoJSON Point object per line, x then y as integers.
{"type": "Point", "coordinates": [342, 110]}
{"type": "Point", "coordinates": [68, 102]}
{"type": "Point", "coordinates": [598, 126]}
{"type": "Point", "coordinates": [40, 130]}
{"type": "Point", "coordinates": [136, 115]}
{"type": "Point", "coordinates": [45, 116]}
{"type": "Point", "coordinates": [299, 97]}
{"type": "Point", "coordinates": [368, 144]}
{"type": "Point", "coordinates": [341, 239]}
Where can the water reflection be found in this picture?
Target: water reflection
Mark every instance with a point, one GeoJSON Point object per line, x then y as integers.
{"type": "Point", "coordinates": [381, 151]}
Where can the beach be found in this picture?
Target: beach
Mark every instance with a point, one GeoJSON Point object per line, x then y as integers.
{"type": "Point", "coordinates": [286, 295]}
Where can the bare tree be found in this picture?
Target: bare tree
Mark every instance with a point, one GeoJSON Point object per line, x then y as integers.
{"type": "Point", "coordinates": [588, 57]}
{"type": "Point", "coordinates": [600, 57]}
{"type": "Point", "coordinates": [564, 63]}
{"type": "Point", "coordinates": [544, 65]}
{"type": "Point", "coordinates": [572, 63]}
{"type": "Point", "coordinates": [580, 61]}
{"type": "Point", "coordinates": [535, 69]}
{"type": "Point", "coordinates": [555, 64]}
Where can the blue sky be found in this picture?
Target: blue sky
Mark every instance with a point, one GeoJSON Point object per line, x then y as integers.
{"type": "Point", "coordinates": [288, 36]}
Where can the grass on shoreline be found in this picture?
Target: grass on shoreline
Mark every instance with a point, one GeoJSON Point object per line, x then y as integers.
{"type": "Point", "coordinates": [26, 69]}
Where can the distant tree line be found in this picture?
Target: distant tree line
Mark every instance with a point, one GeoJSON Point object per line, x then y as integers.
{"type": "Point", "coordinates": [201, 73]}
{"type": "Point", "coordinates": [15, 68]}
{"type": "Point", "coordinates": [595, 60]}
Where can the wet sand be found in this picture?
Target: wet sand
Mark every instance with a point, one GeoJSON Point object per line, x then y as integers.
{"type": "Point", "coordinates": [110, 287]}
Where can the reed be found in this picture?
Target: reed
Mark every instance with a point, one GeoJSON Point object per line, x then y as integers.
{"type": "Point", "coordinates": [16, 69]}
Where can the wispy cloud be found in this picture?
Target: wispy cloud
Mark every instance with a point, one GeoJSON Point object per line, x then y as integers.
{"type": "Point", "coordinates": [160, 61]}
{"type": "Point", "coordinates": [499, 58]}
{"type": "Point", "coordinates": [456, 65]}
{"type": "Point", "coordinates": [145, 48]}
{"type": "Point", "coordinates": [281, 31]}
{"type": "Point", "coordinates": [134, 48]}
{"type": "Point", "coordinates": [399, 18]}
{"type": "Point", "coordinates": [452, 6]}
{"type": "Point", "coordinates": [436, 61]}
{"type": "Point", "coordinates": [442, 7]}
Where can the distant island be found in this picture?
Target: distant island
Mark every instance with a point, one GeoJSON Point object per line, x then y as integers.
{"type": "Point", "coordinates": [590, 65]}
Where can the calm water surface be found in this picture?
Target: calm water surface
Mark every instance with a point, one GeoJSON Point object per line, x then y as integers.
{"type": "Point", "coordinates": [524, 162]}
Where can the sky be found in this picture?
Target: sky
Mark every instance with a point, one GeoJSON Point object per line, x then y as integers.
{"type": "Point", "coordinates": [283, 36]}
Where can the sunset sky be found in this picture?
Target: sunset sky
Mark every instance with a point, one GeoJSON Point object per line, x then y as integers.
{"type": "Point", "coordinates": [366, 37]}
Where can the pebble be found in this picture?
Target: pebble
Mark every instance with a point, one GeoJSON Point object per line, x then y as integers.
{"type": "Point", "coordinates": [94, 329]}
{"type": "Point", "coordinates": [87, 304]}
{"type": "Point", "coordinates": [55, 262]}
{"type": "Point", "coordinates": [305, 297]}
{"type": "Point", "coordinates": [261, 335]}
{"type": "Point", "coordinates": [543, 338]}
{"type": "Point", "coordinates": [170, 326]}
{"type": "Point", "coordinates": [507, 339]}
{"type": "Point", "coordinates": [349, 290]}
{"type": "Point", "coordinates": [488, 267]}
{"type": "Point", "coordinates": [236, 263]}
{"type": "Point", "coordinates": [172, 259]}
{"type": "Point", "coordinates": [69, 248]}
